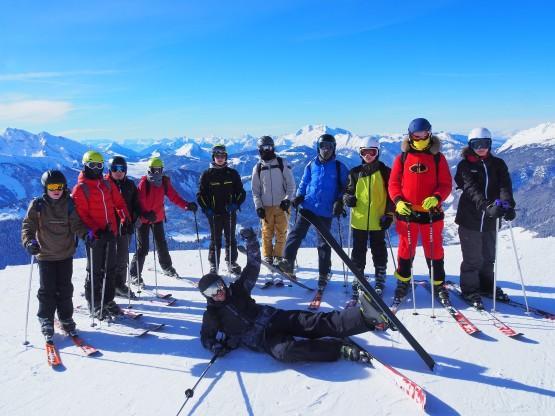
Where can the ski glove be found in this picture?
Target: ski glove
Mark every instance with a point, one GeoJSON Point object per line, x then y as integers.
{"type": "Point", "coordinates": [125, 227]}
{"type": "Point", "coordinates": [385, 221]}
{"type": "Point", "coordinates": [231, 208]}
{"type": "Point", "coordinates": [150, 216]}
{"type": "Point", "coordinates": [32, 247]}
{"type": "Point", "coordinates": [90, 239]}
{"type": "Point", "coordinates": [219, 349]}
{"type": "Point", "coordinates": [403, 208]}
{"type": "Point", "coordinates": [495, 211]}
{"type": "Point", "coordinates": [510, 214]}
{"type": "Point", "coordinates": [297, 201]}
{"type": "Point", "coordinates": [338, 209]}
{"type": "Point", "coordinates": [247, 234]}
{"type": "Point", "coordinates": [430, 203]}
{"type": "Point", "coordinates": [350, 200]}
{"type": "Point", "coordinates": [192, 206]}
{"type": "Point", "coordinates": [285, 204]}
{"type": "Point", "coordinates": [261, 212]}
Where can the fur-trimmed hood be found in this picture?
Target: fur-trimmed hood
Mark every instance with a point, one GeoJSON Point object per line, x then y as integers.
{"type": "Point", "coordinates": [433, 149]}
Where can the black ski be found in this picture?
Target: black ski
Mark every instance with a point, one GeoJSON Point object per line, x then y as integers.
{"type": "Point", "coordinates": [359, 275]}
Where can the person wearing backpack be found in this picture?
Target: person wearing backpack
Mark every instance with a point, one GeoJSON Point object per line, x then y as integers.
{"type": "Point", "coordinates": [273, 189]}
{"type": "Point", "coordinates": [220, 195]}
{"type": "Point", "coordinates": [420, 181]}
{"type": "Point", "coordinates": [320, 191]}
{"type": "Point", "coordinates": [117, 175]}
{"type": "Point", "coordinates": [487, 195]}
{"type": "Point", "coordinates": [102, 209]}
{"type": "Point", "coordinates": [49, 232]}
{"type": "Point", "coordinates": [152, 189]}
{"type": "Point", "coordinates": [371, 211]}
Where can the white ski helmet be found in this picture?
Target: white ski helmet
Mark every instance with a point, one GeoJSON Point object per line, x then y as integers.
{"type": "Point", "coordinates": [479, 133]}
{"type": "Point", "coordinates": [369, 143]}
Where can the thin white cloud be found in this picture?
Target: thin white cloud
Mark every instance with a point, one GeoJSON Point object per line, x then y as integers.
{"type": "Point", "coordinates": [37, 76]}
{"type": "Point", "coordinates": [34, 111]}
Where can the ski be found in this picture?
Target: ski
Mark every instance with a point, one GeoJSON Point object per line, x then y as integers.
{"type": "Point", "coordinates": [292, 278]}
{"type": "Point", "coordinates": [416, 393]}
{"type": "Point", "coordinates": [122, 325]}
{"type": "Point", "coordinates": [316, 300]}
{"type": "Point", "coordinates": [536, 311]}
{"type": "Point", "coordinates": [52, 355]}
{"type": "Point", "coordinates": [85, 348]}
{"type": "Point", "coordinates": [497, 323]}
{"type": "Point", "coordinates": [159, 295]}
{"type": "Point", "coordinates": [464, 323]}
{"type": "Point", "coordinates": [359, 275]}
{"type": "Point", "coordinates": [131, 313]}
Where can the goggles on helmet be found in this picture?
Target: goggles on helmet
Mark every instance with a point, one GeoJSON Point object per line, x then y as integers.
{"type": "Point", "coordinates": [213, 289]}
{"type": "Point", "coordinates": [118, 168]}
{"type": "Point", "coordinates": [326, 145]}
{"type": "Point", "coordinates": [55, 187]}
{"type": "Point", "coordinates": [267, 148]}
{"type": "Point", "coordinates": [482, 143]}
{"type": "Point", "coordinates": [95, 165]}
{"type": "Point", "coordinates": [155, 171]}
{"type": "Point", "coordinates": [370, 151]}
{"type": "Point", "coordinates": [420, 135]}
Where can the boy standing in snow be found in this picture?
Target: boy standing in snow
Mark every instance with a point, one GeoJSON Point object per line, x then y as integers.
{"type": "Point", "coordinates": [262, 328]}
{"type": "Point", "coordinates": [372, 211]}
{"type": "Point", "coordinates": [151, 192]}
{"type": "Point", "coordinates": [487, 196]}
{"type": "Point", "coordinates": [273, 188]}
{"type": "Point", "coordinates": [48, 232]}
{"type": "Point", "coordinates": [220, 195]}
{"type": "Point", "coordinates": [420, 180]}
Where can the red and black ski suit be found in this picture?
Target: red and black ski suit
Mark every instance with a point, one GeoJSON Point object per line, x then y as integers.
{"type": "Point", "coordinates": [416, 175]}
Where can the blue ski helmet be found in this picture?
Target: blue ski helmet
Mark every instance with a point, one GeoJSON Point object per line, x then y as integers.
{"type": "Point", "coordinates": [419, 124]}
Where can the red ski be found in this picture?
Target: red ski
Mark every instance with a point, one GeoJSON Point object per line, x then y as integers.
{"type": "Point", "coordinates": [86, 348]}
{"type": "Point", "coordinates": [52, 354]}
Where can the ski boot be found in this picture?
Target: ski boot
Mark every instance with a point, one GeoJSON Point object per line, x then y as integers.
{"type": "Point", "coordinates": [68, 325]}
{"type": "Point", "coordinates": [323, 281]}
{"type": "Point", "coordinates": [475, 300]}
{"type": "Point", "coordinates": [351, 352]}
{"type": "Point", "coordinates": [268, 259]}
{"type": "Point", "coordinates": [138, 281]}
{"type": "Point", "coordinates": [277, 259]}
{"type": "Point", "coordinates": [112, 309]}
{"type": "Point", "coordinates": [379, 275]}
{"type": "Point", "coordinates": [499, 295]}
{"type": "Point", "coordinates": [278, 281]}
{"type": "Point", "coordinates": [47, 328]}
{"type": "Point", "coordinates": [170, 271]}
{"type": "Point", "coordinates": [234, 268]}
{"type": "Point", "coordinates": [400, 291]}
{"type": "Point", "coordinates": [443, 295]}
{"type": "Point", "coordinates": [373, 317]}
{"type": "Point", "coordinates": [285, 266]}
{"type": "Point", "coordinates": [124, 291]}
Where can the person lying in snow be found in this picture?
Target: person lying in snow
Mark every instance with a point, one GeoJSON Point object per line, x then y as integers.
{"type": "Point", "coordinates": [287, 335]}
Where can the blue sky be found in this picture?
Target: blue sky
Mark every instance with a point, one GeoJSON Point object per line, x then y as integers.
{"type": "Point", "coordinates": [141, 69]}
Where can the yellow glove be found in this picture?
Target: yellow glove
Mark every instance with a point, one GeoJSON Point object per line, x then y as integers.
{"type": "Point", "coordinates": [430, 202]}
{"type": "Point", "coordinates": [403, 208]}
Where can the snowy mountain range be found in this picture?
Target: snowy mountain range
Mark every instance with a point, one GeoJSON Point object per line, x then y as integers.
{"type": "Point", "coordinates": [24, 156]}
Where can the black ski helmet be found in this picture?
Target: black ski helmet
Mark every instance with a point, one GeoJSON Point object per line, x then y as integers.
{"type": "Point", "coordinates": [219, 149]}
{"type": "Point", "coordinates": [326, 138]}
{"type": "Point", "coordinates": [265, 141]}
{"type": "Point", "coordinates": [118, 160]}
{"type": "Point", "coordinates": [208, 280]}
{"type": "Point", "coordinates": [53, 176]}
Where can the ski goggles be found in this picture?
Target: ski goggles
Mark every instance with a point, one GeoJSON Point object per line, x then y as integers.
{"type": "Point", "coordinates": [95, 165]}
{"type": "Point", "coordinates": [220, 154]}
{"type": "Point", "coordinates": [326, 146]}
{"type": "Point", "coordinates": [420, 135]}
{"type": "Point", "coordinates": [118, 168]}
{"type": "Point", "coordinates": [55, 186]}
{"type": "Point", "coordinates": [483, 143]}
{"type": "Point", "coordinates": [213, 289]}
{"type": "Point", "coordinates": [267, 148]}
{"type": "Point", "coordinates": [371, 151]}
{"type": "Point", "coordinates": [155, 171]}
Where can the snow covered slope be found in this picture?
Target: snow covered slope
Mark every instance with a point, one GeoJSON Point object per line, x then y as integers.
{"type": "Point", "coordinates": [487, 374]}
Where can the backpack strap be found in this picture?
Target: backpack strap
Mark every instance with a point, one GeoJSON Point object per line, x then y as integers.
{"type": "Point", "coordinates": [280, 163]}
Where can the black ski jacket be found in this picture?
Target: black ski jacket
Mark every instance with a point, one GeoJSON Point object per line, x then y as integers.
{"type": "Point", "coordinates": [220, 187]}
{"type": "Point", "coordinates": [482, 182]}
{"type": "Point", "coordinates": [239, 317]}
{"type": "Point", "coordinates": [128, 191]}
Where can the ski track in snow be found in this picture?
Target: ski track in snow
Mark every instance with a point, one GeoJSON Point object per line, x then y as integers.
{"type": "Point", "coordinates": [148, 375]}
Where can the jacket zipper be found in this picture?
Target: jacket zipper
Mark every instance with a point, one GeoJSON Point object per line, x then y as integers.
{"type": "Point", "coordinates": [103, 202]}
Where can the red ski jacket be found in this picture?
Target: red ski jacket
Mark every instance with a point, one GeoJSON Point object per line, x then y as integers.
{"type": "Point", "coordinates": [419, 176]}
{"type": "Point", "coordinates": [99, 203]}
{"type": "Point", "coordinates": [151, 198]}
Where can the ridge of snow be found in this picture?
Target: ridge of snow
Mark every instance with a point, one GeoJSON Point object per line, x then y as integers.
{"type": "Point", "coordinates": [542, 135]}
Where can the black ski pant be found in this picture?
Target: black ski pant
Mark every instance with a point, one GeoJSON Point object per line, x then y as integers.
{"type": "Point", "coordinates": [377, 248]}
{"type": "Point", "coordinates": [225, 223]}
{"type": "Point", "coordinates": [122, 258]}
{"type": "Point", "coordinates": [478, 252]}
{"type": "Point", "coordinates": [285, 325]}
{"type": "Point", "coordinates": [143, 237]}
{"type": "Point", "coordinates": [103, 258]}
{"type": "Point", "coordinates": [296, 237]}
{"type": "Point", "coordinates": [56, 291]}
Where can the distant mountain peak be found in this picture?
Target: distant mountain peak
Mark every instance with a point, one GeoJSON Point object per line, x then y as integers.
{"type": "Point", "coordinates": [541, 135]}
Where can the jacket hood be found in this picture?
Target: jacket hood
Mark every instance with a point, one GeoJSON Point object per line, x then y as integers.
{"type": "Point", "coordinates": [433, 149]}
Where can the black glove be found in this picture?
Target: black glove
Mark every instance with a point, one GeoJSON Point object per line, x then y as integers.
{"type": "Point", "coordinates": [510, 214]}
{"type": "Point", "coordinates": [247, 234]}
{"type": "Point", "coordinates": [219, 349]}
{"type": "Point", "coordinates": [261, 212]}
{"type": "Point", "coordinates": [32, 247]}
{"type": "Point", "coordinates": [124, 227]}
{"type": "Point", "coordinates": [297, 201]}
{"type": "Point", "coordinates": [150, 216]}
{"type": "Point", "coordinates": [385, 221]}
{"type": "Point", "coordinates": [285, 205]}
{"type": "Point", "coordinates": [192, 206]}
{"type": "Point", "coordinates": [338, 208]}
{"type": "Point", "coordinates": [90, 239]}
{"type": "Point", "coordinates": [350, 200]}
{"type": "Point", "coordinates": [495, 211]}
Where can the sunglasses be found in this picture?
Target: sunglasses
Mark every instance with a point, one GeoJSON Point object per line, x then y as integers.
{"type": "Point", "coordinates": [213, 289]}
{"type": "Point", "coordinates": [118, 168]}
{"type": "Point", "coordinates": [156, 170]}
{"type": "Point", "coordinates": [95, 165]}
{"type": "Point", "coordinates": [372, 151]}
{"type": "Point", "coordinates": [267, 148]}
{"type": "Point", "coordinates": [420, 136]}
{"type": "Point", "coordinates": [476, 144]}
{"type": "Point", "coordinates": [55, 186]}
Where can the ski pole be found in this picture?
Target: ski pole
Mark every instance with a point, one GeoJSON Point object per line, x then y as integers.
{"type": "Point", "coordinates": [191, 392]}
{"type": "Point", "coordinates": [349, 240]}
{"type": "Point", "coordinates": [155, 267]}
{"type": "Point", "coordinates": [432, 281]}
{"type": "Point", "coordinates": [91, 277]}
{"type": "Point", "coordinates": [104, 282]}
{"type": "Point", "coordinates": [198, 243]}
{"type": "Point", "coordinates": [411, 256]}
{"type": "Point", "coordinates": [128, 241]}
{"type": "Point", "coordinates": [497, 226]}
{"type": "Point", "coordinates": [228, 241]}
{"type": "Point", "coordinates": [214, 242]}
{"type": "Point", "coordinates": [342, 262]}
{"type": "Point", "coordinates": [518, 266]}
{"type": "Point", "coordinates": [137, 271]}
{"type": "Point", "coordinates": [25, 341]}
{"type": "Point", "coordinates": [391, 248]}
